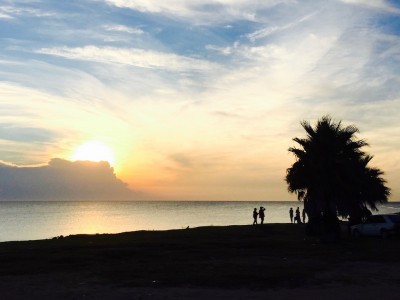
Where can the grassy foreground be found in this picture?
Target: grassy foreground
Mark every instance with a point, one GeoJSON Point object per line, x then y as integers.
{"type": "Point", "coordinates": [260, 257]}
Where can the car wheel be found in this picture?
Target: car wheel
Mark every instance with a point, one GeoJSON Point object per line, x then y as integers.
{"type": "Point", "coordinates": [356, 233]}
{"type": "Point", "coordinates": [384, 234]}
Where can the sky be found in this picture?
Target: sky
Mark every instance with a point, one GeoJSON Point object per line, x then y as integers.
{"type": "Point", "coordinates": [196, 99]}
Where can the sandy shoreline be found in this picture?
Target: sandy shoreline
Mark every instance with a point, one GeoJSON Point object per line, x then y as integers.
{"type": "Point", "coordinates": [235, 262]}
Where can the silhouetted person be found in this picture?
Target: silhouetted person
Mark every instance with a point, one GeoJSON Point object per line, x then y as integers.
{"type": "Point", "coordinates": [303, 214]}
{"type": "Point", "coordinates": [291, 214]}
{"type": "Point", "coordinates": [297, 217]}
{"type": "Point", "coordinates": [255, 215]}
{"type": "Point", "coordinates": [261, 214]}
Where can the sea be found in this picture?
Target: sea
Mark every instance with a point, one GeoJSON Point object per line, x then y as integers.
{"type": "Point", "coordinates": [47, 219]}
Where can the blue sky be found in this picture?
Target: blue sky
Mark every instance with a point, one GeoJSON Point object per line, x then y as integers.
{"type": "Point", "coordinates": [197, 99]}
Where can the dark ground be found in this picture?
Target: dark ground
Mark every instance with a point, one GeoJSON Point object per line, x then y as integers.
{"type": "Point", "coordinates": [235, 262]}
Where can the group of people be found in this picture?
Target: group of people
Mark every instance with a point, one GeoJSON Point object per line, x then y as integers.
{"type": "Point", "coordinates": [294, 216]}
{"type": "Point", "coordinates": [258, 214]}
{"type": "Point", "coordinates": [297, 218]}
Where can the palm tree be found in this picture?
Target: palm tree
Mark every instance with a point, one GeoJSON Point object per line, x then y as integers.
{"type": "Point", "coordinates": [331, 175]}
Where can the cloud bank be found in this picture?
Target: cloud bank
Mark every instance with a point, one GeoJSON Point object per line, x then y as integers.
{"type": "Point", "coordinates": [62, 180]}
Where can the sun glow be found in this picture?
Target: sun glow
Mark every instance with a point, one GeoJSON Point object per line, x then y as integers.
{"type": "Point", "coordinates": [94, 151]}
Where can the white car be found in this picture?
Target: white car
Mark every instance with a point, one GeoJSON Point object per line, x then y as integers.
{"type": "Point", "coordinates": [378, 225]}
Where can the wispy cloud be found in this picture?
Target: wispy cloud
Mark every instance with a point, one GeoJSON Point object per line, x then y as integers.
{"type": "Point", "coordinates": [133, 57]}
{"type": "Point", "coordinates": [377, 4]}
{"type": "Point", "coordinates": [27, 134]}
{"type": "Point", "coordinates": [4, 16]}
{"type": "Point", "coordinates": [200, 11]}
{"type": "Point", "coordinates": [123, 28]}
{"type": "Point", "coordinates": [226, 9]}
{"type": "Point", "coordinates": [222, 50]}
{"type": "Point", "coordinates": [264, 32]}
{"type": "Point", "coordinates": [9, 12]}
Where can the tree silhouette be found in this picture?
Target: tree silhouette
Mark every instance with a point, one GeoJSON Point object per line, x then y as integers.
{"type": "Point", "coordinates": [332, 177]}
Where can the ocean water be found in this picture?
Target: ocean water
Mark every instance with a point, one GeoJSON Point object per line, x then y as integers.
{"type": "Point", "coordinates": [42, 220]}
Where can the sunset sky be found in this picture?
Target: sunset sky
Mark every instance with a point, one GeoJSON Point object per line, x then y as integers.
{"type": "Point", "coordinates": [196, 99]}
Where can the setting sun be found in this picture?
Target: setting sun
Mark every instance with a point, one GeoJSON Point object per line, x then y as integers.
{"type": "Point", "coordinates": [94, 151]}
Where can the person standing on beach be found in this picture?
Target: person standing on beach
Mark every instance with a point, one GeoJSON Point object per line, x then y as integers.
{"type": "Point", "coordinates": [297, 217]}
{"type": "Point", "coordinates": [291, 214]}
{"type": "Point", "coordinates": [303, 214]}
{"type": "Point", "coordinates": [255, 215]}
{"type": "Point", "coordinates": [261, 214]}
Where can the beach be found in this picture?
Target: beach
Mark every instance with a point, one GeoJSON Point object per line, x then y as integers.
{"type": "Point", "coordinates": [274, 261]}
